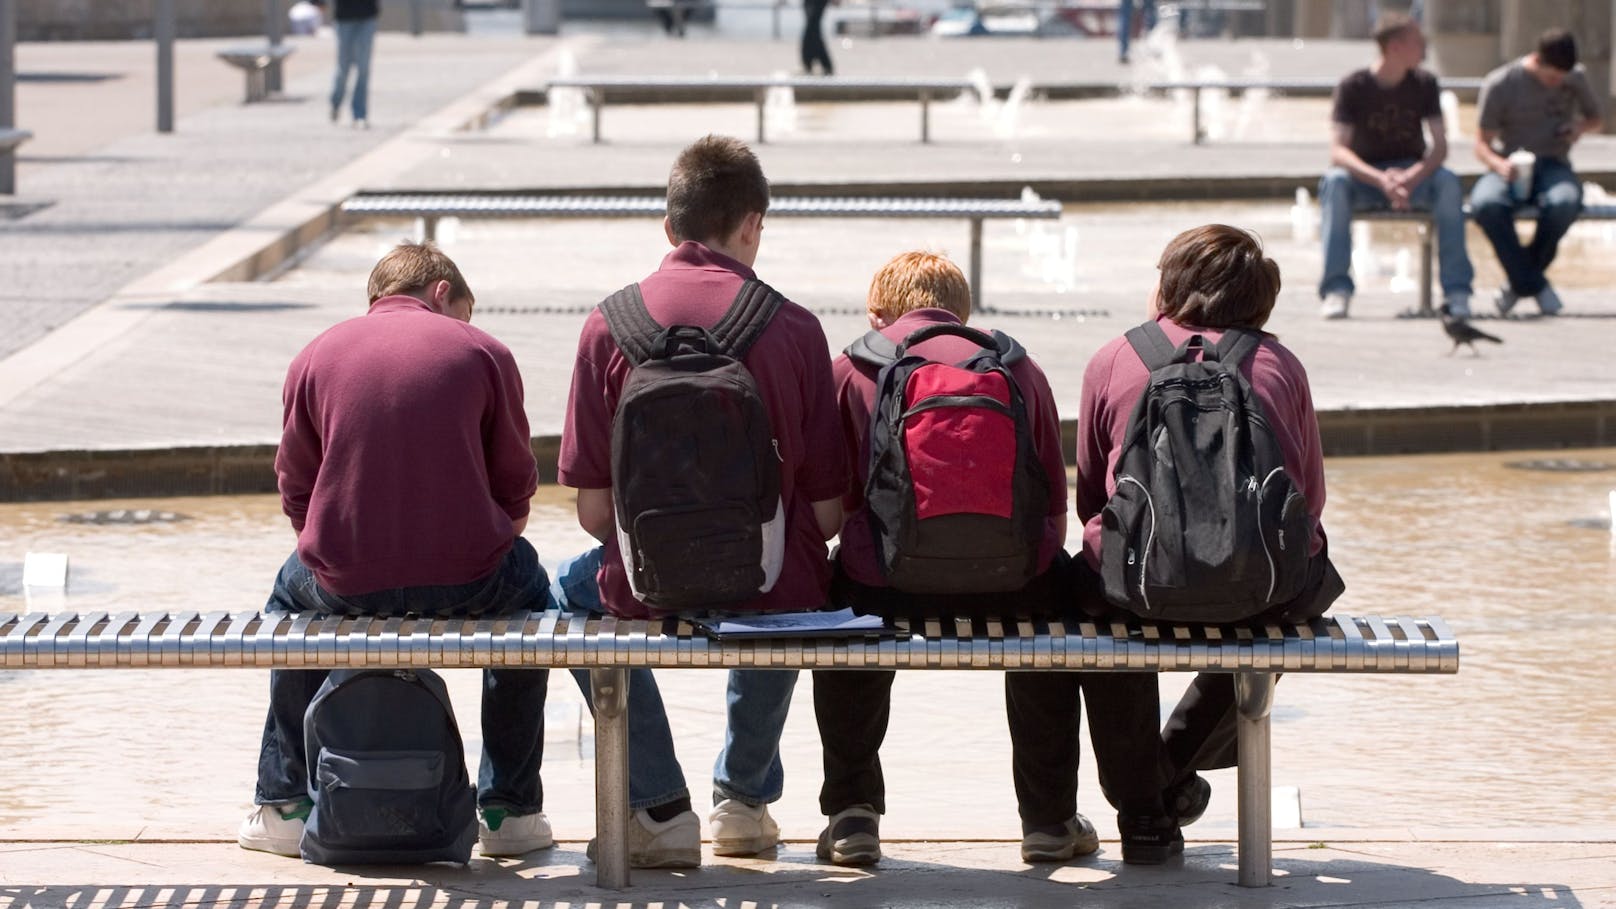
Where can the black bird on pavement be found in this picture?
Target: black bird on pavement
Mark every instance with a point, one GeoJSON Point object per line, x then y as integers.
{"type": "Point", "coordinates": [1462, 332]}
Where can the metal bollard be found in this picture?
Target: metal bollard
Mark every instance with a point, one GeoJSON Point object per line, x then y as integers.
{"type": "Point", "coordinates": [164, 30]}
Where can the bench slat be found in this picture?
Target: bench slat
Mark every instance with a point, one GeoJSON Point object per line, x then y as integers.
{"type": "Point", "coordinates": [1342, 643]}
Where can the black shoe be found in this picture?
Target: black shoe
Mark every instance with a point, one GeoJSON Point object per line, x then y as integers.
{"type": "Point", "coordinates": [1187, 799]}
{"type": "Point", "coordinates": [1149, 840]}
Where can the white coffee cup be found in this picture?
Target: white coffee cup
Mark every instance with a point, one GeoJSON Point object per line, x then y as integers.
{"type": "Point", "coordinates": [1522, 161]}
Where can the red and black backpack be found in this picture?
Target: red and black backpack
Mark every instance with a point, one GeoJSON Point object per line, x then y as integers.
{"type": "Point", "coordinates": [956, 497]}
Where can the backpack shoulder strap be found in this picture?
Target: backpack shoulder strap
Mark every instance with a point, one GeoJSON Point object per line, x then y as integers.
{"type": "Point", "coordinates": [745, 320]}
{"type": "Point", "coordinates": [872, 349]}
{"type": "Point", "coordinates": [630, 323]}
{"type": "Point", "coordinates": [1010, 350]}
{"type": "Point", "coordinates": [1152, 345]}
{"type": "Point", "coordinates": [1237, 344]}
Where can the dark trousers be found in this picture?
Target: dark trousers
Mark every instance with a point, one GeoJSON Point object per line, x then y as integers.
{"type": "Point", "coordinates": [852, 707]}
{"type": "Point", "coordinates": [813, 37]}
{"type": "Point", "coordinates": [1044, 710]}
{"type": "Point", "coordinates": [512, 703]}
{"type": "Point", "coordinates": [1202, 733]}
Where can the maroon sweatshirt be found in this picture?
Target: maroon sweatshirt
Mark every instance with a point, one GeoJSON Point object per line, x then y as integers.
{"type": "Point", "coordinates": [404, 455]}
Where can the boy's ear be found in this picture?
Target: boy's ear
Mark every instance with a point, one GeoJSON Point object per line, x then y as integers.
{"type": "Point", "coordinates": [878, 321]}
{"type": "Point", "coordinates": [751, 229]}
{"type": "Point", "coordinates": [667, 228]}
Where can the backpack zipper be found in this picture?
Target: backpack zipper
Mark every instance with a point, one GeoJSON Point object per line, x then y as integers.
{"type": "Point", "coordinates": [1150, 541]}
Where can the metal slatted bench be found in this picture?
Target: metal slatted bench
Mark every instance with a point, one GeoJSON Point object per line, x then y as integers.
{"type": "Point", "coordinates": [430, 208]}
{"type": "Point", "coordinates": [756, 89]}
{"type": "Point", "coordinates": [1427, 240]}
{"type": "Point", "coordinates": [1255, 654]}
{"type": "Point", "coordinates": [255, 60]}
{"type": "Point", "coordinates": [1305, 87]}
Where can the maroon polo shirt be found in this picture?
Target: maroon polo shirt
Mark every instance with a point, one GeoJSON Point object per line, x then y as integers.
{"type": "Point", "coordinates": [855, 397]}
{"type": "Point", "coordinates": [791, 362]}
{"type": "Point", "coordinates": [1116, 377]}
{"type": "Point", "coordinates": [404, 455]}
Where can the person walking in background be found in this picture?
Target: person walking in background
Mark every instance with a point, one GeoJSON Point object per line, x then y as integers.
{"type": "Point", "coordinates": [1125, 20]}
{"type": "Point", "coordinates": [1530, 114]}
{"type": "Point", "coordinates": [813, 38]}
{"type": "Point", "coordinates": [356, 35]}
{"type": "Point", "coordinates": [1379, 159]}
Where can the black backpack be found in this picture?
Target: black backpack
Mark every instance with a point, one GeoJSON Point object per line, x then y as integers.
{"type": "Point", "coordinates": [956, 496]}
{"type": "Point", "coordinates": [387, 772]}
{"type": "Point", "coordinates": [1205, 524]}
{"type": "Point", "coordinates": [695, 465]}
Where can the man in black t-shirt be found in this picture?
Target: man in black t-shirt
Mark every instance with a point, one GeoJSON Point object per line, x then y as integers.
{"type": "Point", "coordinates": [1380, 159]}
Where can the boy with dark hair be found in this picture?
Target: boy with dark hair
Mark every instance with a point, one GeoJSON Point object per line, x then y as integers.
{"type": "Point", "coordinates": [920, 291]}
{"type": "Point", "coordinates": [717, 197]}
{"type": "Point", "coordinates": [1379, 159]}
{"type": "Point", "coordinates": [435, 534]}
{"type": "Point", "coordinates": [1530, 113]}
{"type": "Point", "coordinates": [1213, 278]}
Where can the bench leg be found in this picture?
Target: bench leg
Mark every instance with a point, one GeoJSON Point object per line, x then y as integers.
{"type": "Point", "coordinates": [761, 96]}
{"type": "Point", "coordinates": [609, 692]}
{"type": "Point", "coordinates": [8, 172]}
{"type": "Point", "coordinates": [1195, 114]}
{"type": "Point", "coordinates": [976, 263]}
{"type": "Point", "coordinates": [925, 117]}
{"type": "Point", "coordinates": [1427, 247]}
{"type": "Point", "coordinates": [1254, 696]}
{"type": "Point", "coordinates": [597, 100]}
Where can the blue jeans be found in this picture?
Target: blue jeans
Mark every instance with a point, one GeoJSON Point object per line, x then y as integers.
{"type": "Point", "coordinates": [654, 775]}
{"type": "Point", "coordinates": [512, 703]}
{"type": "Point", "coordinates": [748, 768]}
{"type": "Point", "coordinates": [1556, 192]}
{"type": "Point", "coordinates": [354, 42]}
{"type": "Point", "coordinates": [1147, 13]}
{"type": "Point", "coordinates": [1340, 194]}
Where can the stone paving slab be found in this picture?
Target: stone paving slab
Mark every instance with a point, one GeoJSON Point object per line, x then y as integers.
{"type": "Point", "coordinates": [1477, 875]}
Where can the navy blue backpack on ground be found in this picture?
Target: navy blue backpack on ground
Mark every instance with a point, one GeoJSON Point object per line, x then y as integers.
{"type": "Point", "coordinates": [387, 772]}
{"type": "Point", "coordinates": [1205, 524]}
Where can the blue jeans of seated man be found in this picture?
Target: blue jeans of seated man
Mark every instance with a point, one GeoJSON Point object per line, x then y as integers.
{"type": "Point", "coordinates": [1556, 192]}
{"type": "Point", "coordinates": [1340, 194]}
{"type": "Point", "coordinates": [512, 701]}
{"type": "Point", "coordinates": [354, 42]}
{"type": "Point", "coordinates": [748, 768]}
{"type": "Point", "coordinates": [654, 775]}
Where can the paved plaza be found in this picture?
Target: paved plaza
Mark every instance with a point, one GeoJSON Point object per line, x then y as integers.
{"type": "Point", "coordinates": [154, 288]}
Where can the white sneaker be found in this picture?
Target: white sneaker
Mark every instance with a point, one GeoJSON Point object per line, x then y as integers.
{"type": "Point", "coordinates": [1548, 302]}
{"type": "Point", "coordinates": [501, 833]}
{"type": "Point", "coordinates": [673, 843]}
{"type": "Point", "coordinates": [1335, 305]}
{"type": "Point", "coordinates": [742, 829]}
{"type": "Point", "coordinates": [268, 829]}
{"type": "Point", "coordinates": [1505, 300]}
{"type": "Point", "coordinates": [1458, 305]}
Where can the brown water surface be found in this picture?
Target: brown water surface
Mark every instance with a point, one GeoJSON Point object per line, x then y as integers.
{"type": "Point", "coordinates": [1521, 738]}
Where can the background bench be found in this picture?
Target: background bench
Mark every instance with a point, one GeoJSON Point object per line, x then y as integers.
{"type": "Point", "coordinates": [1428, 239]}
{"type": "Point", "coordinates": [740, 89]}
{"type": "Point", "coordinates": [9, 140]}
{"type": "Point", "coordinates": [695, 89]}
{"type": "Point", "coordinates": [255, 60]}
{"type": "Point", "coordinates": [607, 646]}
{"type": "Point", "coordinates": [430, 208]}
